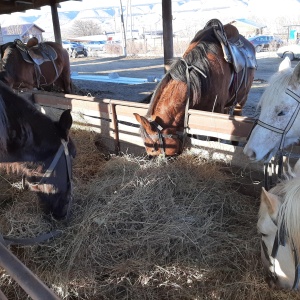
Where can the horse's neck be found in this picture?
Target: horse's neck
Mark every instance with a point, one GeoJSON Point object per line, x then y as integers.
{"type": "Point", "coordinates": [170, 104]}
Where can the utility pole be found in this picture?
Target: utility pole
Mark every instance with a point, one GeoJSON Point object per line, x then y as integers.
{"type": "Point", "coordinates": [123, 30]}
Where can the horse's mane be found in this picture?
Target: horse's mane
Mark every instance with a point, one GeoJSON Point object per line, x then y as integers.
{"type": "Point", "coordinates": [3, 126]}
{"type": "Point", "coordinates": [289, 191]}
{"type": "Point", "coordinates": [26, 168]}
{"type": "Point", "coordinates": [278, 83]}
{"type": "Point", "coordinates": [203, 43]}
{"type": "Point", "coordinates": [6, 51]}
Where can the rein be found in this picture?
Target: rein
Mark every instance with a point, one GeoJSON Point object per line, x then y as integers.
{"type": "Point", "coordinates": [8, 240]}
{"type": "Point", "coordinates": [179, 135]}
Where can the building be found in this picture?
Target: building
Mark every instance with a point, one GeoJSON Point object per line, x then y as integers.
{"type": "Point", "coordinates": [23, 32]}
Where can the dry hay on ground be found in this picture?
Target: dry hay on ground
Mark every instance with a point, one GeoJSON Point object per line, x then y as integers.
{"type": "Point", "coordinates": [145, 230]}
{"type": "Point", "coordinates": [77, 90]}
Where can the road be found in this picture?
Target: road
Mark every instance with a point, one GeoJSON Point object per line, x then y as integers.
{"type": "Point", "coordinates": [151, 68]}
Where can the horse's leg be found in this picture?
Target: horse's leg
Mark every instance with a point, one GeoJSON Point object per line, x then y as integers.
{"type": "Point", "coordinates": [64, 81]}
{"type": "Point", "coordinates": [66, 72]}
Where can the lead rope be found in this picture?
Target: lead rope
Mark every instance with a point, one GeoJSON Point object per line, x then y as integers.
{"type": "Point", "coordinates": [189, 68]}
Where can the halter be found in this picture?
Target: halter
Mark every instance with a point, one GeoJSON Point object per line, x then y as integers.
{"type": "Point", "coordinates": [8, 240]}
{"type": "Point", "coordinates": [179, 135]}
{"type": "Point", "coordinates": [161, 136]}
{"type": "Point", "coordinates": [282, 132]}
{"type": "Point", "coordinates": [63, 149]}
{"type": "Point", "coordinates": [281, 241]}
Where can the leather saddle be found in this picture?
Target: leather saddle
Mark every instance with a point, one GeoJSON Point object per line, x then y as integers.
{"type": "Point", "coordinates": [235, 50]}
{"type": "Point", "coordinates": [37, 54]}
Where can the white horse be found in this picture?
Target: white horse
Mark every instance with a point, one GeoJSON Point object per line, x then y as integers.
{"type": "Point", "coordinates": [279, 225]}
{"type": "Point", "coordinates": [279, 122]}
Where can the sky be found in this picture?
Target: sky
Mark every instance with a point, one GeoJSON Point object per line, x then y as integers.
{"type": "Point", "coordinates": [258, 7]}
{"type": "Point", "coordinates": [88, 4]}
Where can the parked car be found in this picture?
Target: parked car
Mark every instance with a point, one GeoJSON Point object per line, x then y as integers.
{"type": "Point", "coordinates": [292, 51]}
{"type": "Point", "coordinates": [74, 49]}
{"type": "Point", "coordinates": [265, 42]}
{"type": "Point", "coordinates": [95, 46]}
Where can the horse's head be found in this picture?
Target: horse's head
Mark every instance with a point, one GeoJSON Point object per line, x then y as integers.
{"type": "Point", "coordinates": [52, 180]}
{"type": "Point", "coordinates": [279, 121]}
{"type": "Point", "coordinates": [279, 226]}
{"type": "Point", "coordinates": [159, 140]}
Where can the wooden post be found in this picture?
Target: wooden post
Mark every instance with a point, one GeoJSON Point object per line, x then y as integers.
{"type": "Point", "coordinates": [55, 19]}
{"type": "Point", "coordinates": [116, 128]}
{"type": "Point", "coordinates": [167, 33]}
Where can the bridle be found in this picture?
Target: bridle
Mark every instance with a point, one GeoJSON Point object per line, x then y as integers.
{"type": "Point", "coordinates": [283, 133]}
{"type": "Point", "coordinates": [280, 240]}
{"type": "Point", "coordinates": [62, 150]}
{"type": "Point", "coordinates": [181, 135]}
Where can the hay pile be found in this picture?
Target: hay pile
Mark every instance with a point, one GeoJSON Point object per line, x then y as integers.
{"type": "Point", "coordinates": [145, 230]}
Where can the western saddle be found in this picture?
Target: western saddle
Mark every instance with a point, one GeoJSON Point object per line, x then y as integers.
{"type": "Point", "coordinates": [37, 53]}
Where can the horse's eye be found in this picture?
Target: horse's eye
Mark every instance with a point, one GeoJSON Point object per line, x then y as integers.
{"type": "Point", "coordinates": [282, 113]}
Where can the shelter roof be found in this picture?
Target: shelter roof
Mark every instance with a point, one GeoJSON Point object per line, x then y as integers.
{"type": "Point", "coordinates": [11, 6]}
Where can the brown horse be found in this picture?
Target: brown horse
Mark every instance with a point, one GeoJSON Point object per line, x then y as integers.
{"type": "Point", "coordinates": [215, 74]}
{"type": "Point", "coordinates": [37, 66]}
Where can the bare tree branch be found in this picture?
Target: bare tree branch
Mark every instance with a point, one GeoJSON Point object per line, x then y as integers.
{"type": "Point", "coordinates": [84, 28]}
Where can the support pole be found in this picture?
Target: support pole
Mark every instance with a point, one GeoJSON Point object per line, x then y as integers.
{"type": "Point", "coordinates": [167, 33]}
{"type": "Point", "coordinates": [55, 19]}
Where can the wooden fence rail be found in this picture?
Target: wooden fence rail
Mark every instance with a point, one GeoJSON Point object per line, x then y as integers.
{"type": "Point", "coordinates": [114, 119]}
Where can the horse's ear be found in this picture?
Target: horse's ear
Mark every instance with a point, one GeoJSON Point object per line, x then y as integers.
{"type": "Point", "coordinates": [271, 201]}
{"type": "Point", "coordinates": [65, 122]}
{"type": "Point", "coordinates": [285, 64]}
{"type": "Point", "coordinates": [296, 74]}
{"type": "Point", "coordinates": [143, 121]}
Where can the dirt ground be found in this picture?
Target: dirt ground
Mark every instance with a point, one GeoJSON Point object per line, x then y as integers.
{"type": "Point", "coordinates": [150, 68]}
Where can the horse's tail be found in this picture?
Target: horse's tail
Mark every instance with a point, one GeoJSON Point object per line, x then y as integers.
{"type": "Point", "coordinates": [3, 126]}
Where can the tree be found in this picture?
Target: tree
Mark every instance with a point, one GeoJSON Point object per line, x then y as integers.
{"type": "Point", "coordinates": [84, 28]}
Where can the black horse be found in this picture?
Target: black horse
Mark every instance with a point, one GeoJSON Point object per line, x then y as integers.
{"type": "Point", "coordinates": [39, 148]}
